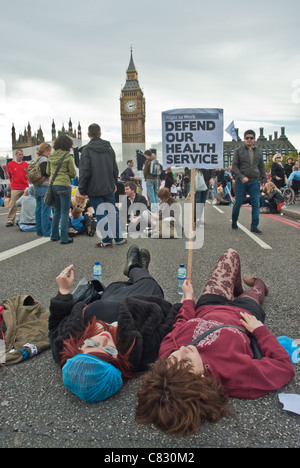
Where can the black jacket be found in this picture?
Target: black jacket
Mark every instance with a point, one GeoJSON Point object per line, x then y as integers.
{"type": "Point", "coordinates": [277, 170]}
{"type": "Point", "coordinates": [98, 170]}
{"type": "Point", "coordinates": [241, 165]}
{"type": "Point", "coordinates": [144, 320]}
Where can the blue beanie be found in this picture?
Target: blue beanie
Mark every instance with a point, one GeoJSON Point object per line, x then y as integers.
{"type": "Point", "coordinates": [90, 378]}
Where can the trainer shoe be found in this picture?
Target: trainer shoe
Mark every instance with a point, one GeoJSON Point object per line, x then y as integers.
{"type": "Point", "coordinates": [256, 231]}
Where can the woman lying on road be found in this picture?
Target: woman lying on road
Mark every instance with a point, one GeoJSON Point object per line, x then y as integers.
{"type": "Point", "coordinates": [190, 384]}
{"type": "Point", "coordinates": [100, 345]}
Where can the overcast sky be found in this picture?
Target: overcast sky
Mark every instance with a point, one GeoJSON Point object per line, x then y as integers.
{"type": "Point", "coordinates": [68, 58]}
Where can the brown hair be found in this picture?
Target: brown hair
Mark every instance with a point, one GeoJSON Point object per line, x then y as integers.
{"type": "Point", "coordinates": [43, 147]}
{"type": "Point", "coordinates": [164, 193]}
{"type": "Point", "coordinates": [131, 184]}
{"type": "Point", "coordinates": [71, 348]}
{"type": "Point", "coordinates": [177, 400]}
{"type": "Point", "coordinates": [94, 130]}
{"type": "Point", "coordinates": [63, 142]}
{"type": "Point", "coordinates": [76, 212]}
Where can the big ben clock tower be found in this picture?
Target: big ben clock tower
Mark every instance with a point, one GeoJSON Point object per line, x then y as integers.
{"type": "Point", "coordinates": [133, 113]}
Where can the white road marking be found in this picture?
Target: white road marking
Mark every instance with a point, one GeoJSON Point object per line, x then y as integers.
{"type": "Point", "coordinates": [23, 248]}
{"type": "Point", "coordinates": [218, 209]}
{"type": "Point", "coordinates": [254, 237]}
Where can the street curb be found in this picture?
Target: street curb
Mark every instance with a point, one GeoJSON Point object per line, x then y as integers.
{"type": "Point", "coordinates": [291, 214]}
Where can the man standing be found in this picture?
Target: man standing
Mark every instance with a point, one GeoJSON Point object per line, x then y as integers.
{"type": "Point", "coordinates": [98, 175]}
{"type": "Point", "coordinates": [248, 168]}
{"type": "Point", "coordinates": [152, 181]}
{"type": "Point", "coordinates": [17, 173]}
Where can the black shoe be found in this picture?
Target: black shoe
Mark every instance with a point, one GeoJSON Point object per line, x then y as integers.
{"type": "Point", "coordinates": [234, 226]}
{"type": "Point", "coordinates": [69, 241]}
{"type": "Point", "coordinates": [144, 258]}
{"type": "Point", "coordinates": [256, 231]}
{"type": "Point", "coordinates": [9, 224]}
{"type": "Point", "coordinates": [132, 259]}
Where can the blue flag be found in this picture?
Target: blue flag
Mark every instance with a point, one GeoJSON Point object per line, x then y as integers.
{"type": "Point", "coordinates": [231, 131]}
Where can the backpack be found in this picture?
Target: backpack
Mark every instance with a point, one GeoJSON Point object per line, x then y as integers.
{"type": "Point", "coordinates": [91, 227]}
{"type": "Point", "coordinates": [34, 174]}
{"type": "Point", "coordinates": [155, 168]}
{"type": "Point", "coordinates": [123, 176]}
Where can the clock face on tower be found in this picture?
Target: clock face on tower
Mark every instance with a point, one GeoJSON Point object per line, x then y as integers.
{"type": "Point", "coordinates": [130, 106]}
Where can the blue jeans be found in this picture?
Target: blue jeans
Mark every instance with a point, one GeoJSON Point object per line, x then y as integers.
{"type": "Point", "coordinates": [42, 212]}
{"type": "Point", "coordinates": [62, 204]}
{"type": "Point", "coordinates": [111, 228]}
{"type": "Point", "coordinates": [152, 191]}
{"type": "Point", "coordinates": [200, 198]}
{"type": "Point", "coordinates": [241, 190]}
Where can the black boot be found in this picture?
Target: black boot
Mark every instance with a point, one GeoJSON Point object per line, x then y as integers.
{"type": "Point", "coordinates": [144, 258]}
{"type": "Point", "coordinates": [132, 259]}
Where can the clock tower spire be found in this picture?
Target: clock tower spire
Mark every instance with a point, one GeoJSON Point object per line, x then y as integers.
{"type": "Point", "coordinates": [133, 114]}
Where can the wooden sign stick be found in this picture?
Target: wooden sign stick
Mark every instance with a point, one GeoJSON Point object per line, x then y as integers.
{"type": "Point", "coordinates": [190, 251]}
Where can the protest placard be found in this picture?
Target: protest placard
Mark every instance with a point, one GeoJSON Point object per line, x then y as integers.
{"type": "Point", "coordinates": [192, 138]}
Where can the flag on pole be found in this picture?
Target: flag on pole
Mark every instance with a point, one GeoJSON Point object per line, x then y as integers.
{"type": "Point", "coordinates": [231, 131]}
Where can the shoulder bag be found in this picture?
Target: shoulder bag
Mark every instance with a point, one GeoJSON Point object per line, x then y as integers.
{"type": "Point", "coordinates": [257, 354]}
{"type": "Point", "coordinates": [49, 197]}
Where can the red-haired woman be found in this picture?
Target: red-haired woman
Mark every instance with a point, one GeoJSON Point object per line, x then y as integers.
{"type": "Point", "coordinates": [114, 338]}
{"type": "Point", "coordinates": [190, 383]}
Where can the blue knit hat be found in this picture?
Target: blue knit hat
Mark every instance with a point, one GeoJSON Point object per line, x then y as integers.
{"type": "Point", "coordinates": [90, 378]}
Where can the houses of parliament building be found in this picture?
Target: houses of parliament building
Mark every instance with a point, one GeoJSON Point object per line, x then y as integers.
{"type": "Point", "coordinates": [133, 118]}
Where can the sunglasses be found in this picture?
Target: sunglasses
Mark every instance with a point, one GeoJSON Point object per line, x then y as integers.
{"type": "Point", "coordinates": [249, 138]}
{"type": "Point", "coordinates": [108, 348]}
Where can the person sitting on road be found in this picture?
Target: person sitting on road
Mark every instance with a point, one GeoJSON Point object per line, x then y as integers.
{"type": "Point", "coordinates": [167, 222]}
{"type": "Point", "coordinates": [27, 222]}
{"type": "Point", "coordinates": [78, 220]}
{"type": "Point", "coordinates": [134, 200]}
{"type": "Point", "coordinates": [273, 197]}
{"type": "Point", "coordinates": [222, 198]}
{"type": "Point", "coordinates": [96, 354]}
{"type": "Point", "coordinates": [190, 383]}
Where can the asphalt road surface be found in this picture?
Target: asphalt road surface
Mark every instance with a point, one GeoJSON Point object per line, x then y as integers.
{"type": "Point", "coordinates": [36, 410]}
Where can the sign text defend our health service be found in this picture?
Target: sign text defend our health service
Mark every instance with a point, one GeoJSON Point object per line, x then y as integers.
{"type": "Point", "coordinates": [193, 138]}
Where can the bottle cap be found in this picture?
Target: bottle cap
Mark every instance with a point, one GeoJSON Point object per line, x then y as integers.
{"type": "Point", "coordinates": [181, 265]}
{"type": "Point", "coordinates": [97, 263]}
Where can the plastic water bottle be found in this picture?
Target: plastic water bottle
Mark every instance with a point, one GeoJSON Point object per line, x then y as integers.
{"type": "Point", "coordinates": [181, 277]}
{"type": "Point", "coordinates": [98, 271]}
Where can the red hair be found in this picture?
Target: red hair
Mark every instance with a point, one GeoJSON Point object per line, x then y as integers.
{"type": "Point", "coordinates": [72, 345]}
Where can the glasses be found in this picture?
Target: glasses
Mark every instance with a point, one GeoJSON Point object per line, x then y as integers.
{"type": "Point", "coordinates": [107, 349]}
{"type": "Point", "coordinates": [249, 138]}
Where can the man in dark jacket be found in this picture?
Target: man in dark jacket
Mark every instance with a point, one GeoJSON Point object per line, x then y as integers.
{"type": "Point", "coordinates": [98, 174]}
{"type": "Point", "coordinates": [248, 168]}
{"type": "Point", "coordinates": [136, 204]}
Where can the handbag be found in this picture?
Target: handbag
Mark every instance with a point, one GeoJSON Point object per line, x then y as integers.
{"type": "Point", "coordinates": [257, 354]}
{"type": "Point", "coordinates": [200, 185]}
{"type": "Point", "coordinates": [88, 290]}
{"type": "Point", "coordinates": [49, 196]}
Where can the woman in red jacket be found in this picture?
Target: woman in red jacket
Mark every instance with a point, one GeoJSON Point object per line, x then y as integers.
{"type": "Point", "coordinates": [189, 384]}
